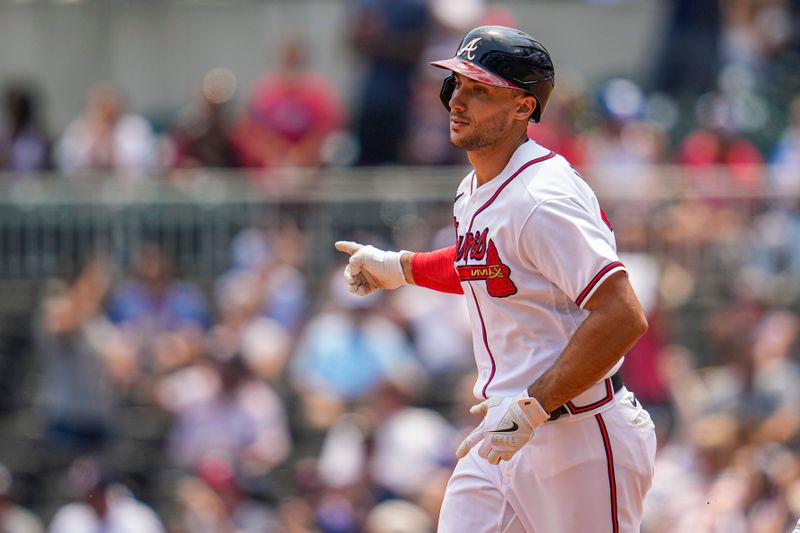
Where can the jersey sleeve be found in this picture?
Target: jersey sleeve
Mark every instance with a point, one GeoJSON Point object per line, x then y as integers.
{"type": "Point", "coordinates": [571, 246]}
{"type": "Point", "coordinates": [435, 270]}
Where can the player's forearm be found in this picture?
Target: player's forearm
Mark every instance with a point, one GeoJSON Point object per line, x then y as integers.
{"type": "Point", "coordinates": [433, 270]}
{"type": "Point", "coordinates": [598, 344]}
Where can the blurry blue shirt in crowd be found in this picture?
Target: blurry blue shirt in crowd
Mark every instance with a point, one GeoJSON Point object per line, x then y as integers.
{"type": "Point", "coordinates": [349, 355]}
{"type": "Point", "coordinates": [257, 273]}
{"type": "Point", "coordinates": [179, 305]}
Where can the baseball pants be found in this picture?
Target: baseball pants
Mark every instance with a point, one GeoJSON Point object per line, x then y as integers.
{"type": "Point", "coordinates": [581, 473]}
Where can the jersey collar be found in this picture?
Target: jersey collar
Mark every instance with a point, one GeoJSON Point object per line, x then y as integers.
{"type": "Point", "coordinates": [525, 152]}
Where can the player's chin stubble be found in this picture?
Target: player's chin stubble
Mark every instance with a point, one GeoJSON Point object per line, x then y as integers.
{"type": "Point", "coordinates": [486, 133]}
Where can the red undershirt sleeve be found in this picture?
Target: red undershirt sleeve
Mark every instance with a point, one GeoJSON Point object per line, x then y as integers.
{"type": "Point", "coordinates": [435, 270]}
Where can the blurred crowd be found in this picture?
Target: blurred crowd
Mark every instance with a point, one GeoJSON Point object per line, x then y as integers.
{"type": "Point", "coordinates": [252, 404]}
{"type": "Point", "coordinates": [239, 407]}
{"type": "Point", "coordinates": [255, 404]}
{"type": "Point", "coordinates": [718, 95]}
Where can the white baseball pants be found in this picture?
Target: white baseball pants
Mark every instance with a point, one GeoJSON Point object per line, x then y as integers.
{"type": "Point", "coordinates": [581, 473]}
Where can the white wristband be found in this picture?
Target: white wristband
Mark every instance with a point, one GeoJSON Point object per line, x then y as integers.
{"type": "Point", "coordinates": [393, 268]}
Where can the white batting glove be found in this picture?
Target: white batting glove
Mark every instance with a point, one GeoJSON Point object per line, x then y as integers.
{"type": "Point", "coordinates": [508, 424]}
{"type": "Point", "coordinates": [370, 268]}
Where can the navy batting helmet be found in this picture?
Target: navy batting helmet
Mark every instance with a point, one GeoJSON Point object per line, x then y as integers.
{"type": "Point", "coordinates": [503, 57]}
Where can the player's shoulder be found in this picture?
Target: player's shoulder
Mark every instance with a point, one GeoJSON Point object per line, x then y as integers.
{"type": "Point", "coordinates": [550, 176]}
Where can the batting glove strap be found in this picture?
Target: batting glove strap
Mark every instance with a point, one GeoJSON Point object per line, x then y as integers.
{"type": "Point", "coordinates": [532, 410]}
{"type": "Point", "coordinates": [393, 269]}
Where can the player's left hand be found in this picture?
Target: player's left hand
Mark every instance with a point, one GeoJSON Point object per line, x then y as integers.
{"type": "Point", "coordinates": [370, 268]}
{"type": "Point", "coordinates": [508, 424]}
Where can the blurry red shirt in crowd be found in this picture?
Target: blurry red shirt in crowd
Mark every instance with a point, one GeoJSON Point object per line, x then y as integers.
{"type": "Point", "coordinates": [555, 136]}
{"type": "Point", "coordinates": [559, 133]}
{"type": "Point", "coordinates": [706, 148]}
{"type": "Point", "coordinates": [290, 114]}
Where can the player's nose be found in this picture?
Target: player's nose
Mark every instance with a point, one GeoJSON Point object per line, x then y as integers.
{"type": "Point", "coordinates": [456, 100]}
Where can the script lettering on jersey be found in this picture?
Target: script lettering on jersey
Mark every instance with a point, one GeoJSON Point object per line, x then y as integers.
{"type": "Point", "coordinates": [472, 245]}
{"type": "Point", "coordinates": [476, 246]}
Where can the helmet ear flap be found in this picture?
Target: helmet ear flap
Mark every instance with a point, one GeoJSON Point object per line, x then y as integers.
{"type": "Point", "coordinates": [448, 86]}
{"type": "Point", "coordinates": [536, 116]}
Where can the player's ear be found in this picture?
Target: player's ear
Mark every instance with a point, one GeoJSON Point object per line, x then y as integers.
{"type": "Point", "coordinates": [526, 105]}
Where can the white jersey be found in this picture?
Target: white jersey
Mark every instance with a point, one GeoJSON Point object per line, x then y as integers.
{"type": "Point", "coordinates": [532, 247]}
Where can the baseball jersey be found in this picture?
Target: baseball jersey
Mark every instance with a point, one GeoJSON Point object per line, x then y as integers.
{"type": "Point", "coordinates": [532, 247]}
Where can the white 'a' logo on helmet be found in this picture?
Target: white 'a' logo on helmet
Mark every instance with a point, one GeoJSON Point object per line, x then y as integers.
{"type": "Point", "coordinates": [469, 48]}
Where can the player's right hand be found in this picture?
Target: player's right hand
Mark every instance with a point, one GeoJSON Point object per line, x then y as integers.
{"type": "Point", "coordinates": [370, 268]}
{"type": "Point", "coordinates": [508, 424]}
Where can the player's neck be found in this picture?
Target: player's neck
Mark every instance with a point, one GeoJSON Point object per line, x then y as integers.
{"type": "Point", "coordinates": [489, 162]}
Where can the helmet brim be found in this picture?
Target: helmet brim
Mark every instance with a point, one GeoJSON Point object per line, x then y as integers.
{"type": "Point", "coordinates": [473, 72]}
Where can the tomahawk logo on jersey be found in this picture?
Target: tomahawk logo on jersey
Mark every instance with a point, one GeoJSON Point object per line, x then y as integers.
{"type": "Point", "coordinates": [484, 263]}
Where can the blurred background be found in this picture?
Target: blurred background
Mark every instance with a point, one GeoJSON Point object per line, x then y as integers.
{"type": "Point", "coordinates": [177, 350]}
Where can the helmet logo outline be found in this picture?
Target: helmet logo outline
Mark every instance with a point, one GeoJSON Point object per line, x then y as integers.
{"type": "Point", "coordinates": [470, 48]}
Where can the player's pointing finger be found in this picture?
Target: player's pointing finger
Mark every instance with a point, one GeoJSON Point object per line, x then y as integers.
{"type": "Point", "coordinates": [348, 247]}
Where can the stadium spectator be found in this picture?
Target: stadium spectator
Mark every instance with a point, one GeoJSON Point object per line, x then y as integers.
{"type": "Point", "coordinates": [399, 466]}
{"type": "Point", "coordinates": [84, 362]}
{"type": "Point", "coordinates": [785, 158]}
{"type": "Point", "coordinates": [106, 138]}
{"type": "Point", "coordinates": [265, 344]}
{"type": "Point", "coordinates": [201, 135]}
{"type": "Point", "coordinates": [692, 25]}
{"type": "Point", "coordinates": [754, 34]}
{"type": "Point", "coordinates": [775, 399]}
{"type": "Point", "coordinates": [162, 316]}
{"type": "Point", "coordinates": [221, 411]}
{"type": "Point", "coordinates": [15, 518]}
{"type": "Point", "coordinates": [716, 144]}
{"type": "Point", "coordinates": [261, 301]}
{"type": "Point", "coordinates": [24, 143]}
{"type": "Point", "coordinates": [103, 504]}
{"type": "Point", "coordinates": [568, 108]}
{"type": "Point", "coordinates": [390, 36]}
{"type": "Point", "coordinates": [438, 324]}
{"type": "Point", "coordinates": [290, 115]}
{"type": "Point", "coordinates": [372, 445]}
{"type": "Point", "coordinates": [265, 269]}
{"type": "Point", "coordinates": [350, 349]}
{"type": "Point", "coordinates": [772, 254]}
{"type": "Point", "coordinates": [642, 368]}
{"type": "Point", "coordinates": [623, 140]}
{"type": "Point", "coordinates": [214, 502]}
{"type": "Point", "coordinates": [398, 516]}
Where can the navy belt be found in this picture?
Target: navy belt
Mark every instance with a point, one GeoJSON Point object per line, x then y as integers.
{"type": "Point", "coordinates": [614, 383]}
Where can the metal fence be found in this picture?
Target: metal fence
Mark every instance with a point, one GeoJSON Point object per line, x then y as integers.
{"type": "Point", "coordinates": [48, 224]}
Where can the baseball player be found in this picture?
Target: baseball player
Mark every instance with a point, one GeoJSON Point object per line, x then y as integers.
{"type": "Point", "coordinates": [562, 447]}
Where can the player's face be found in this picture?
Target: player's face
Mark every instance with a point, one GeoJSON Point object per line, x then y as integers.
{"type": "Point", "coordinates": [480, 114]}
